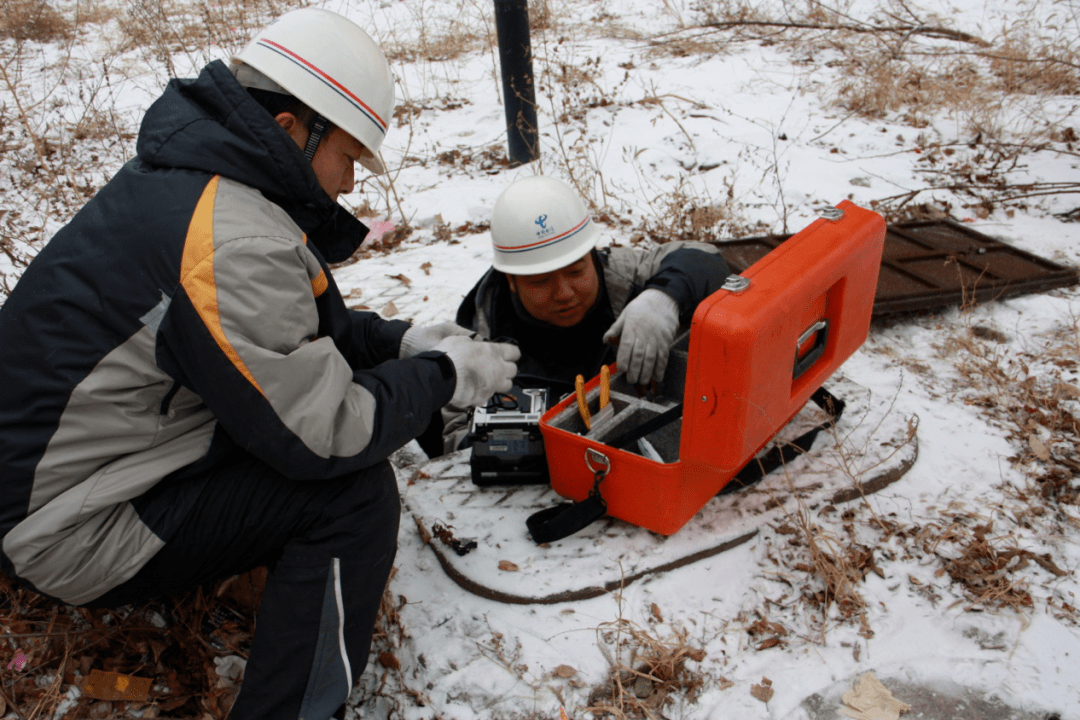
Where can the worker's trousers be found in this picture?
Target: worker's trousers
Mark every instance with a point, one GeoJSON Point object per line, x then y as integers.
{"type": "Point", "coordinates": [328, 545]}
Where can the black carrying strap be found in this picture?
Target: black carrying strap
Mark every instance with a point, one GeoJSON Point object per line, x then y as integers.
{"type": "Point", "coordinates": [565, 519]}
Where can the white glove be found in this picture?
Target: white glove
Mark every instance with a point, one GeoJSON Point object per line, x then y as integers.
{"type": "Point", "coordinates": [421, 338]}
{"type": "Point", "coordinates": [482, 368]}
{"type": "Point", "coordinates": [644, 331]}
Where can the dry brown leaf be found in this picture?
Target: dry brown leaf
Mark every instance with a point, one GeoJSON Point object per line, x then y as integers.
{"type": "Point", "coordinates": [1069, 391]}
{"type": "Point", "coordinates": [390, 310]}
{"type": "Point", "coordinates": [507, 566]}
{"type": "Point", "coordinates": [725, 683]}
{"type": "Point", "coordinates": [1049, 565]}
{"type": "Point", "coordinates": [655, 610]}
{"type": "Point", "coordinates": [157, 647]}
{"type": "Point", "coordinates": [1038, 447]}
{"type": "Point", "coordinates": [565, 671]}
{"type": "Point", "coordinates": [170, 705]}
{"type": "Point", "coordinates": [404, 280]}
{"type": "Point", "coordinates": [765, 627]}
{"type": "Point", "coordinates": [768, 643]}
{"type": "Point", "coordinates": [426, 267]}
{"type": "Point", "coordinates": [764, 691]}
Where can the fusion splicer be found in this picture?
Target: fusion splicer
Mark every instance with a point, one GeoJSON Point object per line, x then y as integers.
{"type": "Point", "coordinates": [507, 447]}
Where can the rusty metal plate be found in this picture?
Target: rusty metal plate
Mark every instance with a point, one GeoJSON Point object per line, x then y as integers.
{"type": "Point", "coordinates": [929, 264]}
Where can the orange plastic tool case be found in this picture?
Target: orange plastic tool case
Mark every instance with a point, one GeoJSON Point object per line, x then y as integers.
{"type": "Point", "coordinates": [755, 352]}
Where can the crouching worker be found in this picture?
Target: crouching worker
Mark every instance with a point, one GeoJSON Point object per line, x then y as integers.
{"type": "Point", "coordinates": [184, 394]}
{"type": "Point", "coordinates": [571, 307]}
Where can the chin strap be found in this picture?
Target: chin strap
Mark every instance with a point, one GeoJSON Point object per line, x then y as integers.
{"type": "Point", "coordinates": [316, 130]}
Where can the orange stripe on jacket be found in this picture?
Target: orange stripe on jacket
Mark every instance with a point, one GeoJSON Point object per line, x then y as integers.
{"type": "Point", "coordinates": [319, 284]}
{"type": "Point", "coordinates": [197, 276]}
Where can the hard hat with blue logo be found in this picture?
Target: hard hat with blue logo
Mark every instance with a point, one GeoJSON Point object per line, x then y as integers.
{"type": "Point", "coordinates": [540, 224]}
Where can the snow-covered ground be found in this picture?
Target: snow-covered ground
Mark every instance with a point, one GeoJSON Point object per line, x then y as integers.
{"type": "Point", "coordinates": [681, 118]}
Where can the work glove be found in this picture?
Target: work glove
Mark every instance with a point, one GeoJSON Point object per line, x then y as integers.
{"type": "Point", "coordinates": [482, 368]}
{"type": "Point", "coordinates": [644, 333]}
{"type": "Point", "coordinates": [421, 338]}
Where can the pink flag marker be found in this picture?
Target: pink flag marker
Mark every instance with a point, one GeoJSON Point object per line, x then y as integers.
{"type": "Point", "coordinates": [18, 663]}
{"type": "Point", "coordinates": [376, 229]}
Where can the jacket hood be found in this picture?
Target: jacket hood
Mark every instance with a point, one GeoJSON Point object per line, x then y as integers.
{"type": "Point", "coordinates": [211, 124]}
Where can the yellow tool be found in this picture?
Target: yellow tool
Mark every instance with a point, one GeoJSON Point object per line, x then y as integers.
{"type": "Point", "coordinates": [606, 408]}
{"type": "Point", "coordinates": [582, 406]}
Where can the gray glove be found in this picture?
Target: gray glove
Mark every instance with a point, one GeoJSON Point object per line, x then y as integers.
{"type": "Point", "coordinates": [483, 368]}
{"type": "Point", "coordinates": [644, 333]}
{"type": "Point", "coordinates": [421, 338]}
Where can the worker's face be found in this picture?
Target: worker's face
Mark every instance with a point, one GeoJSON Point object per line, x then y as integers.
{"type": "Point", "coordinates": [335, 158]}
{"type": "Point", "coordinates": [561, 297]}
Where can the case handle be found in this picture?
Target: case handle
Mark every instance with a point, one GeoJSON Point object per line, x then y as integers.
{"type": "Point", "coordinates": [806, 360]}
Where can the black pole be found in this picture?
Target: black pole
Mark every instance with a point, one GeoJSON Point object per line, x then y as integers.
{"type": "Point", "coordinates": [519, 96]}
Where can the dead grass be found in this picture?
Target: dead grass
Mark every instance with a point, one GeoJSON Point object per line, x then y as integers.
{"type": "Point", "coordinates": [717, 13]}
{"type": "Point", "coordinates": [886, 77]}
{"type": "Point", "coordinates": [1031, 393]}
{"type": "Point", "coordinates": [826, 570]}
{"type": "Point", "coordinates": [444, 32]}
{"type": "Point", "coordinates": [884, 83]}
{"type": "Point", "coordinates": [1023, 63]}
{"type": "Point", "coordinates": [468, 160]}
{"type": "Point", "coordinates": [684, 47]}
{"type": "Point", "coordinates": [541, 16]}
{"type": "Point", "coordinates": [646, 673]}
{"type": "Point", "coordinates": [823, 559]}
{"type": "Point", "coordinates": [34, 20]}
{"type": "Point", "coordinates": [991, 572]}
{"type": "Point", "coordinates": [896, 61]}
{"type": "Point", "coordinates": [575, 87]}
{"type": "Point", "coordinates": [685, 213]}
{"type": "Point", "coordinates": [440, 47]}
{"type": "Point", "coordinates": [165, 28]}
{"type": "Point", "coordinates": [983, 175]}
{"type": "Point", "coordinates": [174, 642]}
{"type": "Point", "coordinates": [989, 569]}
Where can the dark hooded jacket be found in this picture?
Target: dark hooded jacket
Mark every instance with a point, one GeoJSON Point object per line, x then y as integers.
{"type": "Point", "coordinates": [188, 310]}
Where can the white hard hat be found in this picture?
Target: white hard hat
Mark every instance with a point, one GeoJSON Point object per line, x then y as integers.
{"type": "Point", "coordinates": [539, 224]}
{"type": "Point", "coordinates": [332, 66]}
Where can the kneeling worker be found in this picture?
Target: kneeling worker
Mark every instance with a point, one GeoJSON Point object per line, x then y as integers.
{"type": "Point", "coordinates": [184, 394]}
{"type": "Point", "coordinates": [567, 304]}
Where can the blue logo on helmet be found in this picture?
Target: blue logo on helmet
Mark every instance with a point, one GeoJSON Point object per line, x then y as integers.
{"type": "Point", "coordinates": [544, 229]}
